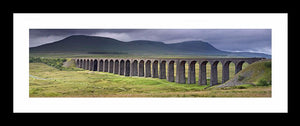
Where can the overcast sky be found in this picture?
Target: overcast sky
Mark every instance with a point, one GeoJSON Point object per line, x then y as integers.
{"type": "Point", "coordinates": [249, 40]}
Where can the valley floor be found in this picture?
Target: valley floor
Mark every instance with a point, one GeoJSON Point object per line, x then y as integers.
{"type": "Point", "coordinates": [46, 81]}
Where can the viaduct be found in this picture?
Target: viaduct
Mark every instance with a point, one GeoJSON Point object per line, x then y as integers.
{"type": "Point", "coordinates": [141, 67]}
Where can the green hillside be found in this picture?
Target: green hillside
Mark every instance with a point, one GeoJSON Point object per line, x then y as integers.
{"type": "Point", "coordinates": [258, 73]}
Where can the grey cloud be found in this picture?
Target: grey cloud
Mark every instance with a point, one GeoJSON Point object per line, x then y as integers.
{"type": "Point", "coordinates": [224, 39]}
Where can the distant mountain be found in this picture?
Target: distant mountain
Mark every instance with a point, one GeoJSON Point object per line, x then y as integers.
{"type": "Point", "coordinates": [105, 45]}
{"type": "Point", "coordinates": [196, 46]}
{"type": "Point", "coordinates": [81, 43]}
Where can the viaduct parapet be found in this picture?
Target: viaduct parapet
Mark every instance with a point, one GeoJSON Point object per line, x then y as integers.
{"type": "Point", "coordinates": [156, 67]}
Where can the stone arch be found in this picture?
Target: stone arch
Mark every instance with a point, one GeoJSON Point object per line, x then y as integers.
{"type": "Point", "coordinates": [170, 76]}
{"type": "Point", "coordinates": [106, 65]}
{"type": "Point", "coordinates": [141, 68]}
{"type": "Point", "coordinates": [191, 72]}
{"type": "Point", "coordinates": [134, 68]}
{"type": "Point", "coordinates": [127, 68]}
{"type": "Point", "coordinates": [155, 69]}
{"type": "Point", "coordinates": [148, 68]}
{"type": "Point", "coordinates": [87, 64]}
{"type": "Point", "coordinates": [91, 65]}
{"type": "Point", "coordinates": [77, 63]}
{"type": "Point", "coordinates": [239, 66]}
{"type": "Point", "coordinates": [84, 64]}
{"type": "Point", "coordinates": [202, 73]}
{"type": "Point", "coordinates": [101, 65]}
{"type": "Point", "coordinates": [81, 63]}
{"type": "Point", "coordinates": [95, 65]}
{"type": "Point", "coordinates": [180, 72]}
{"type": "Point", "coordinates": [225, 70]}
{"type": "Point", "coordinates": [111, 66]}
{"type": "Point", "coordinates": [116, 67]}
{"type": "Point", "coordinates": [162, 69]}
{"type": "Point", "coordinates": [214, 73]}
{"type": "Point", "coordinates": [121, 70]}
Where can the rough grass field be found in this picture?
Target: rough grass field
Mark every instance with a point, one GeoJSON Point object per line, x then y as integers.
{"type": "Point", "coordinates": [46, 81]}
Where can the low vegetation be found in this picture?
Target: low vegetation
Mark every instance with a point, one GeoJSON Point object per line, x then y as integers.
{"type": "Point", "coordinates": [49, 81]}
{"type": "Point", "coordinates": [258, 74]}
{"type": "Point", "coordinates": [57, 63]}
{"type": "Point", "coordinates": [54, 62]}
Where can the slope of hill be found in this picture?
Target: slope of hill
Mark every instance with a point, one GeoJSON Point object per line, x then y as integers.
{"type": "Point", "coordinates": [105, 45]}
{"type": "Point", "coordinates": [258, 73]}
{"type": "Point", "coordinates": [196, 46]}
{"type": "Point", "coordinates": [80, 43]}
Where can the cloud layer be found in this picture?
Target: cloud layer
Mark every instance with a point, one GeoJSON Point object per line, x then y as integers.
{"type": "Point", "coordinates": [250, 40]}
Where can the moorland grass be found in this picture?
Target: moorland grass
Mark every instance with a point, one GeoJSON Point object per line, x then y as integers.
{"type": "Point", "coordinates": [47, 81]}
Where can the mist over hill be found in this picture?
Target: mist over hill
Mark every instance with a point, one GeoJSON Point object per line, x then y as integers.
{"type": "Point", "coordinates": [105, 45]}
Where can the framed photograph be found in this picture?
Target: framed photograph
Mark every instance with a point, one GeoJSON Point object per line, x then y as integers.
{"type": "Point", "coordinates": [133, 63]}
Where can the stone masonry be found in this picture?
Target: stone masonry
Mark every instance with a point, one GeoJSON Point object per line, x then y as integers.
{"type": "Point", "coordinates": [156, 67]}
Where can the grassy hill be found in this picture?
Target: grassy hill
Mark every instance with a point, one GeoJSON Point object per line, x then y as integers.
{"type": "Point", "coordinates": [80, 43]}
{"type": "Point", "coordinates": [103, 45]}
{"type": "Point", "coordinates": [258, 73]}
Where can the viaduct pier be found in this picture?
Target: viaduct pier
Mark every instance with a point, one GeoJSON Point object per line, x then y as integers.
{"type": "Point", "coordinates": [156, 67]}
